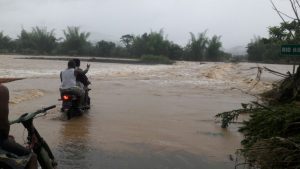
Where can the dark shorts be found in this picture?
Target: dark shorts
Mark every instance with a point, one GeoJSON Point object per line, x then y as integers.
{"type": "Point", "coordinates": [13, 147]}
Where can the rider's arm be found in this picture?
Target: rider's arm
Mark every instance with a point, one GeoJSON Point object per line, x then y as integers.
{"type": "Point", "coordinates": [86, 69]}
{"type": "Point", "coordinates": [4, 124]}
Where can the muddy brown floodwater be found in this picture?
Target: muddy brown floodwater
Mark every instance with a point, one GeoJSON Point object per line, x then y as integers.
{"type": "Point", "coordinates": [142, 116]}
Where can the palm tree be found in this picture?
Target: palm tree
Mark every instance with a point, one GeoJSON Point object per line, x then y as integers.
{"type": "Point", "coordinates": [44, 41]}
{"type": "Point", "coordinates": [38, 41]}
{"type": "Point", "coordinates": [197, 46]}
{"type": "Point", "coordinates": [213, 49]}
{"type": "Point", "coordinates": [75, 41]}
{"type": "Point", "coordinates": [5, 43]}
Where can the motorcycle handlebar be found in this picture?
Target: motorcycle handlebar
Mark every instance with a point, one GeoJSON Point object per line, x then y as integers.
{"type": "Point", "coordinates": [48, 108]}
{"type": "Point", "coordinates": [27, 116]}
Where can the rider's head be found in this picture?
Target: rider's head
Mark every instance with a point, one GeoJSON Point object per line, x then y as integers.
{"type": "Point", "coordinates": [77, 62]}
{"type": "Point", "coordinates": [71, 64]}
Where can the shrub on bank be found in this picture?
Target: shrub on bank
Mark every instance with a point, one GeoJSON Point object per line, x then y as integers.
{"type": "Point", "coordinates": [156, 59]}
{"type": "Point", "coordinates": [269, 130]}
{"type": "Point", "coordinates": [271, 135]}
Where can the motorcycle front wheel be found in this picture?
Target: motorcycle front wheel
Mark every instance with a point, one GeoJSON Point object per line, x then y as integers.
{"type": "Point", "coordinates": [44, 159]}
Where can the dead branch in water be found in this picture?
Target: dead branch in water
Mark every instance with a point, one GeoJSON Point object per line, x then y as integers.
{"type": "Point", "coordinates": [286, 90]}
{"type": "Point", "coordinates": [6, 80]}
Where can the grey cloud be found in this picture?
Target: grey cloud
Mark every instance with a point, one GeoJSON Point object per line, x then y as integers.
{"type": "Point", "coordinates": [237, 21]}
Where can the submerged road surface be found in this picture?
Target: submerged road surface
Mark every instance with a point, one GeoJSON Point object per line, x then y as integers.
{"type": "Point", "coordinates": [142, 116]}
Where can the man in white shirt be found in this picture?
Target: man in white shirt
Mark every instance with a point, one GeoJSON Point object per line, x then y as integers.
{"type": "Point", "coordinates": [68, 81]}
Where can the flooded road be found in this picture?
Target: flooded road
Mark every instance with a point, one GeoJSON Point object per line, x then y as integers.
{"type": "Point", "coordinates": [142, 116]}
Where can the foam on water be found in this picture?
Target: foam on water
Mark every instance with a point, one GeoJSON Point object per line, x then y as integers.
{"type": "Point", "coordinates": [215, 75]}
{"type": "Point", "coordinates": [25, 95]}
{"type": "Point", "coordinates": [25, 73]}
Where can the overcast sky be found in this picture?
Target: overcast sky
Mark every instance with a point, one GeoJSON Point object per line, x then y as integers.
{"type": "Point", "coordinates": [237, 21]}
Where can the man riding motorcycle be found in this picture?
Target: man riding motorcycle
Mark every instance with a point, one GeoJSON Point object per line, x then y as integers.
{"type": "Point", "coordinates": [69, 83]}
{"type": "Point", "coordinates": [7, 143]}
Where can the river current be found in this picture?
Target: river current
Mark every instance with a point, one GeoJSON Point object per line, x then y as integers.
{"type": "Point", "coordinates": [142, 116]}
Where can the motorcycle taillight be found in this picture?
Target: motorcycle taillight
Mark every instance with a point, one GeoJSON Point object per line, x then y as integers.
{"type": "Point", "coordinates": [66, 97]}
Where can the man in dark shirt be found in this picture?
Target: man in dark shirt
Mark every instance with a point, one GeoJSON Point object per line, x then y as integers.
{"type": "Point", "coordinates": [83, 80]}
{"type": "Point", "coordinates": [7, 143]}
{"type": "Point", "coordinates": [81, 75]}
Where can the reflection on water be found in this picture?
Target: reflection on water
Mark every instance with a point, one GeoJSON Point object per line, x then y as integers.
{"type": "Point", "coordinates": [74, 144]}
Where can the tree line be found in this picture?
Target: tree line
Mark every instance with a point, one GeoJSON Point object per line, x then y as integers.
{"type": "Point", "coordinates": [40, 41]}
{"type": "Point", "coordinates": [288, 32]}
{"type": "Point", "coordinates": [268, 49]}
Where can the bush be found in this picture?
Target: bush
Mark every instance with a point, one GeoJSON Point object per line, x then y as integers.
{"type": "Point", "coordinates": [156, 59]}
{"type": "Point", "coordinates": [270, 130]}
{"type": "Point", "coordinates": [273, 131]}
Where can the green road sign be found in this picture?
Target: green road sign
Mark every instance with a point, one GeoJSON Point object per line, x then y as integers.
{"type": "Point", "coordinates": [290, 50]}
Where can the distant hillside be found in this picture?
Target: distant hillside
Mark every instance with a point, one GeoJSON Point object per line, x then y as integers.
{"type": "Point", "coordinates": [237, 50]}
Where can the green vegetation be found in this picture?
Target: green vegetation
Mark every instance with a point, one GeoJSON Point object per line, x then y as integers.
{"type": "Point", "coordinates": [39, 41]}
{"type": "Point", "coordinates": [273, 127]}
{"type": "Point", "coordinates": [202, 48]}
{"type": "Point", "coordinates": [288, 32]}
{"type": "Point", "coordinates": [105, 49]}
{"type": "Point", "coordinates": [6, 44]}
{"type": "Point", "coordinates": [196, 47]}
{"type": "Point", "coordinates": [75, 42]}
{"type": "Point", "coordinates": [272, 137]}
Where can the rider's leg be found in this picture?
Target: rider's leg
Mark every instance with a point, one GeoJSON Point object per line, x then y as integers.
{"type": "Point", "coordinates": [11, 146]}
{"type": "Point", "coordinates": [79, 92]}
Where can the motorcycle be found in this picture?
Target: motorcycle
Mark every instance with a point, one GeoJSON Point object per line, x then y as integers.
{"type": "Point", "coordinates": [35, 142]}
{"type": "Point", "coordinates": [71, 103]}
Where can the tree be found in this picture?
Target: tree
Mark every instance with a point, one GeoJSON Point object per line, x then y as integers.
{"type": "Point", "coordinates": [288, 32]}
{"type": "Point", "coordinates": [213, 52]}
{"type": "Point", "coordinates": [127, 40]}
{"type": "Point", "coordinates": [104, 48]}
{"type": "Point", "coordinates": [153, 43]}
{"type": "Point", "coordinates": [75, 42]}
{"type": "Point", "coordinates": [256, 50]}
{"type": "Point", "coordinates": [6, 43]}
{"type": "Point", "coordinates": [289, 29]}
{"type": "Point", "coordinates": [196, 47]}
{"type": "Point", "coordinates": [24, 42]}
{"type": "Point", "coordinates": [175, 52]}
{"type": "Point", "coordinates": [38, 41]}
{"type": "Point", "coordinates": [43, 40]}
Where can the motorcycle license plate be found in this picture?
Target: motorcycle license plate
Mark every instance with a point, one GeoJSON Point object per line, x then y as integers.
{"type": "Point", "coordinates": [67, 105]}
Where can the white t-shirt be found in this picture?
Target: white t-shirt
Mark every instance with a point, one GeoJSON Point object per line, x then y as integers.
{"type": "Point", "coordinates": [68, 79]}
